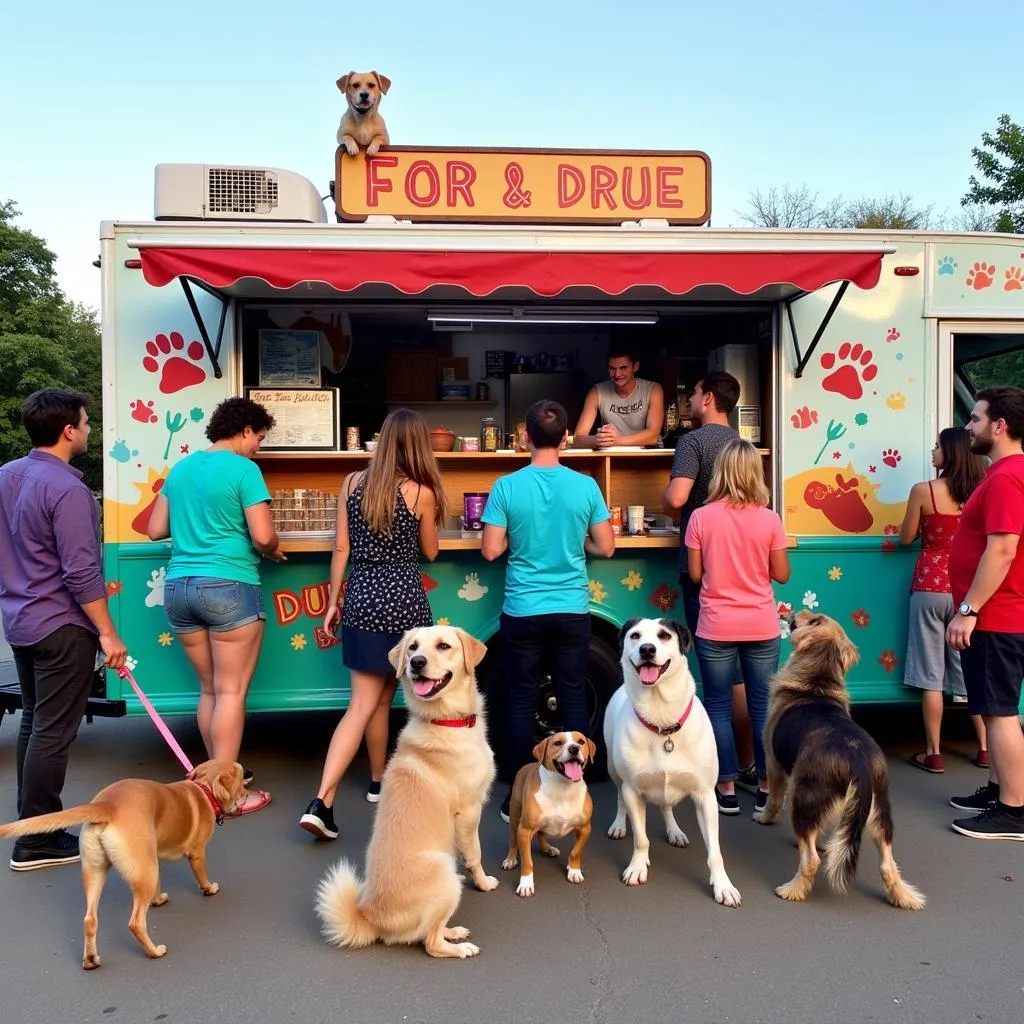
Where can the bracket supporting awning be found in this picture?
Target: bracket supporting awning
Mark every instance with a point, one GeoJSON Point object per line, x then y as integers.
{"type": "Point", "coordinates": [802, 360]}
{"type": "Point", "coordinates": [212, 347]}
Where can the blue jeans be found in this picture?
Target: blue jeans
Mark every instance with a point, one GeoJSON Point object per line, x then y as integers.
{"type": "Point", "coordinates": [194, 603]}
{"type": "Point", "coordinates": [759, 660]}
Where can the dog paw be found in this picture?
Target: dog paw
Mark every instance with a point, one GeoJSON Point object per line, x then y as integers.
{"type": "Point", "coordinates": [159, 899]}
{"type": "Point", "coordinates": [636, 872]}
{"type": "Point", "coordinates": [549, 851]}
{"type": "Point", "coordinates": [464, 950]}
{"type": "Point", "coordinates": [158, 951]}
{"type": "Point", "coordinates": [351, 148]}
{"type": "Point", "coordinates": [509, 863]}
{"type": "Point", "coordinates": [795, 893]}
{"type": "Point", "coordinates": [372, 148]}
{"type": "Point", "coordinates": [617, 830]}
{"type": "Point", "coordinates": [574, 875]}
{"type": "Point", "coordinates": [678, 838]}
{"type": "Point", "coordinates": [762, 818]}
{"type": "Point", "coordinates": [487, 883]}
{"type": "Point", "coordinates": [456, 934]}
{"type": "Point", "coordinates": [91, 962]}
{"type": "Point", "coordinates": [727, 894]}
{"type": "Point", "coordinates": [525, 887]}
{"type": "Point", "coordinates": [213, 890]}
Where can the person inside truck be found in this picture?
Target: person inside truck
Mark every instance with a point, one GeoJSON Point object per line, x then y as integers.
{"type": "Point", "coordinates": [632, 409]}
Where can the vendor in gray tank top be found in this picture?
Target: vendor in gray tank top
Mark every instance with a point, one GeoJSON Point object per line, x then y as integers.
{"type": "Point", "coordinates": [632, 410]}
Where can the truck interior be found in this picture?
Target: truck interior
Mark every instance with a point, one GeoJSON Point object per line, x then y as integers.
{"type": "Point", "coordinates": [983, 360]}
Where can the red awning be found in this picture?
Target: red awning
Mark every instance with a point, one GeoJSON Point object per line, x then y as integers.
{"type": "Point", "coordinates": [482, 273]}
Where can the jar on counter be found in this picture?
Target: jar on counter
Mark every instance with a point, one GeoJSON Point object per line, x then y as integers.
{"type": "Point", "coordinates": [490, 434]}
{"type": "Point", "coordinates": [616, 511]}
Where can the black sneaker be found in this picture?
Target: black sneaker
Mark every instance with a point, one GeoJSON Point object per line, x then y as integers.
{"type": "Point", "coordinates": [319, 820]}
{"type": "Point", "coordinates": [995, 822]}
{"type": "Point", "coordinates": [373, 792]}
{"type": "Point", "coordinates": [760, 800]}
{"type": "Point", "coordinates": [747, 780]}
{"type": "Point", "coordinates": [506, 807]}
{"type": "Point", "coordinates": [247, 777]}
{"type": "Point", "coordinates": [978, 800]}
{"type": "Point", "coordinates": [727, 802]}
{"type": "Point", "coordinates": [59, 848]}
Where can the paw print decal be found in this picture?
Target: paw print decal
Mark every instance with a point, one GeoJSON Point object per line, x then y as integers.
{"type": "Point", "coordinates": [143, 411]}
{"type": "Point", "coordinates": [178, 367]}
{"type": "Point", "coordinates": [472, 589]}
{"type": "Point", "coordinates": [947, 265]}
{"type": "Point", "coordinates": [156, 587]}
{"type": "Point", "coordinates": [892, 335]}
{"type": "Point", "coordinates": [981, 275]}
{"type": "Point", "coordinates": [1014, 280]}
{"type": "Point", "coordinates": [810, 600]}
{"type": "Point", "coordinates": [897, 400]}
{"type": "Point", "coordinates": [804, 418]}
{"type": "Point", "coordinates": [120, 452]}
{"type": "Point", "coordinates": [848, 368]}
{"type": "Point", "coordinates": [891, 457]}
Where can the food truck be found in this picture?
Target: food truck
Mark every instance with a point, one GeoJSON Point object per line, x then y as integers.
{"type": "Point", "coordinates": [468, 283]}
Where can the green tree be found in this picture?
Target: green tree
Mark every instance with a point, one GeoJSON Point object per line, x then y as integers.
{"type": "Point", "coordinates": [45, 341]}
{"type": "Point", "coordinates": [1000, 160]}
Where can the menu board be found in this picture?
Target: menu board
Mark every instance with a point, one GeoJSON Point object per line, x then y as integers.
{"type": "Point", "coordinates": [305, 419]}
{"type": "Point", "coordinates": [290, 358]}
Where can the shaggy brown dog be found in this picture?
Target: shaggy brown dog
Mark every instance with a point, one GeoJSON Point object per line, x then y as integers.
{"type": "Point", "coordinates": [835, 771]}
{"type": "Point", "coordinates": [133, 825]}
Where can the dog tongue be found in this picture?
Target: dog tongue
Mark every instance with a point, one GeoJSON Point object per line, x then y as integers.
{"type": "Point", "coordinates": [422, 687]}
{"type": "Point", "coordinates": [649, 674]}
{"type": "Point", "coordinates": [573, 771]}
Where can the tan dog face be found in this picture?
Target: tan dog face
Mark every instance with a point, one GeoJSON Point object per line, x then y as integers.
{"type": "Point", "coordinates": [428, 659]}
{"type": "Point", "coordinates": [566, 754]}
{"type": "Point", "coordinates": [223, 779]}
{"type": "Point", "coordinates": [653, 647]}
{"type": "Point", "coordinates": [363, 90]}
{"type": "Point", "coordinates": [818, 634]}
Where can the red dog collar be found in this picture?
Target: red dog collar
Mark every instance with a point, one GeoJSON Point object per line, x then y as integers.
{"type": "Point", "coordinates": [668, 729]}
{"type": "Point", "coordinates": [218, 811]}
{"type": "Point", "coordinates": [456, 723]}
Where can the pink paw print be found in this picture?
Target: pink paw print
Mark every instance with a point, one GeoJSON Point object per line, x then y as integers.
{"type": "Point", "coordinates": [981, 275]}
{"type": "Point", "coordinates": [892, 335]}
{"type": "Point", "coordinates": [891, 457]}
{"type": "Point", "coordinates": [804, 418]}
{"type": "Point", "coordinates": [1014, 280]}
{"type": "Point", "coordinates": [143, 411]}
{"type": "Point", "coordinates": [849, 367]}
{"type": "Point", "coordinates": [177, 372]}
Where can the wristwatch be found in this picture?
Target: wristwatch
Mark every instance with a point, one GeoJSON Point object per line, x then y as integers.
{"type": "Point", "coordinates": [966, 610]}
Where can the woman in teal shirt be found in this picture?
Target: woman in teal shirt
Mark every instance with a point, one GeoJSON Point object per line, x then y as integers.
{"type": "Point", "coordinates": [215, 507]}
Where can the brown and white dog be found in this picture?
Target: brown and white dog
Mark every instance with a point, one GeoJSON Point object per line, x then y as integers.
{"type": "Point", "coordinates": [133, 825]}
{"type": "Point", "coordinates": [361, 125]}
{"type": "Point", "coordinates": [550, 798]}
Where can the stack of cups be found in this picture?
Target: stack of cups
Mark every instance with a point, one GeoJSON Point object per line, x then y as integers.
{"type": "Point", "coordinates": [635, 518]}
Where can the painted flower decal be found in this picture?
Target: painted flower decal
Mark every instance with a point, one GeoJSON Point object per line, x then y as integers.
{"type": "Point", "coordinates": [165, 639]}
{"type": "Point", "coordinates": [835, 573]}
{"type": "Point", "coordinates": [298, 642]}
{"type": "Point", "coordinates": [860, 618]}
{"type": "Point", "coordinates": [444, 621]}
{"type": "Point", "coordinates": [810, 599]}
{"type": "Point", "coordinates": [597, 592]}
{"type": "Point", "coordinates": [664, 598]}
{"type": "Point", "coordinates": [632, 580]}
{"type": "Point", "coordinates": [785, 609]}
{"type": "Point", "coordinates": [888, 660]}
{"type": "Point", "coordinates": [114, 587]}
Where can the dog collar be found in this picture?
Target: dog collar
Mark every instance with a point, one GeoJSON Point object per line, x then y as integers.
{"type": "Point", "coordinates": [218, 811]}
{"type": "Point", "coordinates": [668, 729]}
{"type": "Point", "coordinates": [456, 723]}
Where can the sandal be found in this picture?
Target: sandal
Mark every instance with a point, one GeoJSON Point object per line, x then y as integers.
{"type": "Point", "coordinates": [928, 762]}
{"type": "Point", "coordinates": [254, 800]}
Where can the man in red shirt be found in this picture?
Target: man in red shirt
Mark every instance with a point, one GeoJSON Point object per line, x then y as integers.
{"type": "Point", "coordinates": [986, 576]}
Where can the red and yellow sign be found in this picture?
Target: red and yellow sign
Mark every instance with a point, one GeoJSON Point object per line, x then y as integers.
{"type": "Point", "coordinates": [527, 185]}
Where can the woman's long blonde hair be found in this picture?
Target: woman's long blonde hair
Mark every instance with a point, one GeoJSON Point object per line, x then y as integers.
{"type": "Point", "coordinates": [738, 476]}
{"type": "Point", "coordinates": [403, 452]}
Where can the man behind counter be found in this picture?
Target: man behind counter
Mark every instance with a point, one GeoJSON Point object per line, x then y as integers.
{"type": "Point", "coordinates": [632, 410]}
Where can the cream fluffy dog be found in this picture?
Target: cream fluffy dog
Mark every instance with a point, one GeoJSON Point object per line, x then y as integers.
{"type": "Point", "coordinates": [361, 124]}
{"type": "Point", "coordinates": [432, 796]}
{"type": "Point", "coordinates": [661, 747]}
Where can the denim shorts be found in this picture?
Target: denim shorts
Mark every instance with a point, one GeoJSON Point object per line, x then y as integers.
{"type": "Point", "coordinates": [193, 603]}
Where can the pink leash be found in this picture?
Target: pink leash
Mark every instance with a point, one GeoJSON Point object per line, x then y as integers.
{"type": "Point", "coordinates": [125, 673]}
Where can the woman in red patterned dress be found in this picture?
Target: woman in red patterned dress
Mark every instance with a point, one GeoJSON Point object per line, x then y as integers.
{"type": "Point", "coordinates": [933, 511]}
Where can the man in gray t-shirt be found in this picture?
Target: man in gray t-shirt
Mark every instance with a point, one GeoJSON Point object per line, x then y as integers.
{"type": "Point", "coordinates": [632, 410]}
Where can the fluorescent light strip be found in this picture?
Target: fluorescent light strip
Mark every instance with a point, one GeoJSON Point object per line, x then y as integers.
{"type": "Point", "coordinates": [543, 318]}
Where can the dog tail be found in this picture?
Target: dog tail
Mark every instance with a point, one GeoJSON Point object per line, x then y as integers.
{"type": "Point", "coordinates": [86, 814]}
{"type": "Point", "coordinates": [337, 905]}
{"type": "Point", "coordinates": [843, 847]}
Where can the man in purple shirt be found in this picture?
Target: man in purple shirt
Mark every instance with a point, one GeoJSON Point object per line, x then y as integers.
{"type": "Point", "coordinates": [54, 607]}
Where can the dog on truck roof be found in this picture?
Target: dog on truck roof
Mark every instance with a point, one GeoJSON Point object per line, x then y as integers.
{"type": "Point", "coordinates": [550, 798]}
{"type": "Point", "coordinates": [661, 747]}
{"type": "Point", "coordinates": [431, 799]}
{"type": "Point", "coordinates": [133, 825]}
{"type": "Point", "coordinates": [362, 125]}
{"type": "Point", "coordinates": [835, 772]}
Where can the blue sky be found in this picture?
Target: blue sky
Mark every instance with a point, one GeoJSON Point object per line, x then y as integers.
{"type": "Point", "coordinates": [862, 99]}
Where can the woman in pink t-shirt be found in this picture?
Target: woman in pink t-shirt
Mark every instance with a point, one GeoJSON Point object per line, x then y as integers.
{"type": "Point", "coordinates": [736, 546]}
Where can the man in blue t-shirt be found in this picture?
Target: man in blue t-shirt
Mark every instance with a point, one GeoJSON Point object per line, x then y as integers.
{"type": "Point", "coordinates": [549, 518]}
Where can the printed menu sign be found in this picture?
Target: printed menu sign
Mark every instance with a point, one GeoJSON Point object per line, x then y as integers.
{"type": "Point", "coordinates": [290, 358]}
{"type": "Point", "coordinates": [306, 419]}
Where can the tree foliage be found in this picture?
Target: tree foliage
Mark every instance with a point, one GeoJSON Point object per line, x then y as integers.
{"type": "Point", "coordinates": [45, 341]}
{"type": "Point", "coordinates": [799, 207]}
{"type": "Point", "coordinates": [1000, 160]}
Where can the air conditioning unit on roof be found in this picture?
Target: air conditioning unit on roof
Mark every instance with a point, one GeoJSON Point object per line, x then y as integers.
{"type": "Point", "coordinates": [223, 192]}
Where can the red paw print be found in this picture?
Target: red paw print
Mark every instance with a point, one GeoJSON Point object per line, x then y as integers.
{"type": "Point", "coordinates": [804, 418]}
{"type": "Point", "coordinates": [1014, 280]}
{"type": "Point", "coordinates": [892, 334]}
{"type": "Point", "coordinates": [143, 411]}
{"type": "Point", "coordinates": [177, 372]}
{"type": "Point", "coordinates": [981, 275]}
{"type": "Point", "coordinates": [849, 366]}
{"type": "Point", "coordinates": [891, 457]}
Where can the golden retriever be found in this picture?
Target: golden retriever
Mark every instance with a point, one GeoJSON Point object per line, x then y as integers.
{"type": "Point", "coordinates": [432, 796]}
{"type": "Point", "coordinates": [836, 773]}
{"type": "Point", "coordinates": [133, 825]}
{"type": "Point", "coordinates": [361, 124]}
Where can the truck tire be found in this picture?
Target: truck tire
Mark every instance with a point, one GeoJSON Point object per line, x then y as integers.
{"type": "Point", "coordinates": [603, 678]}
